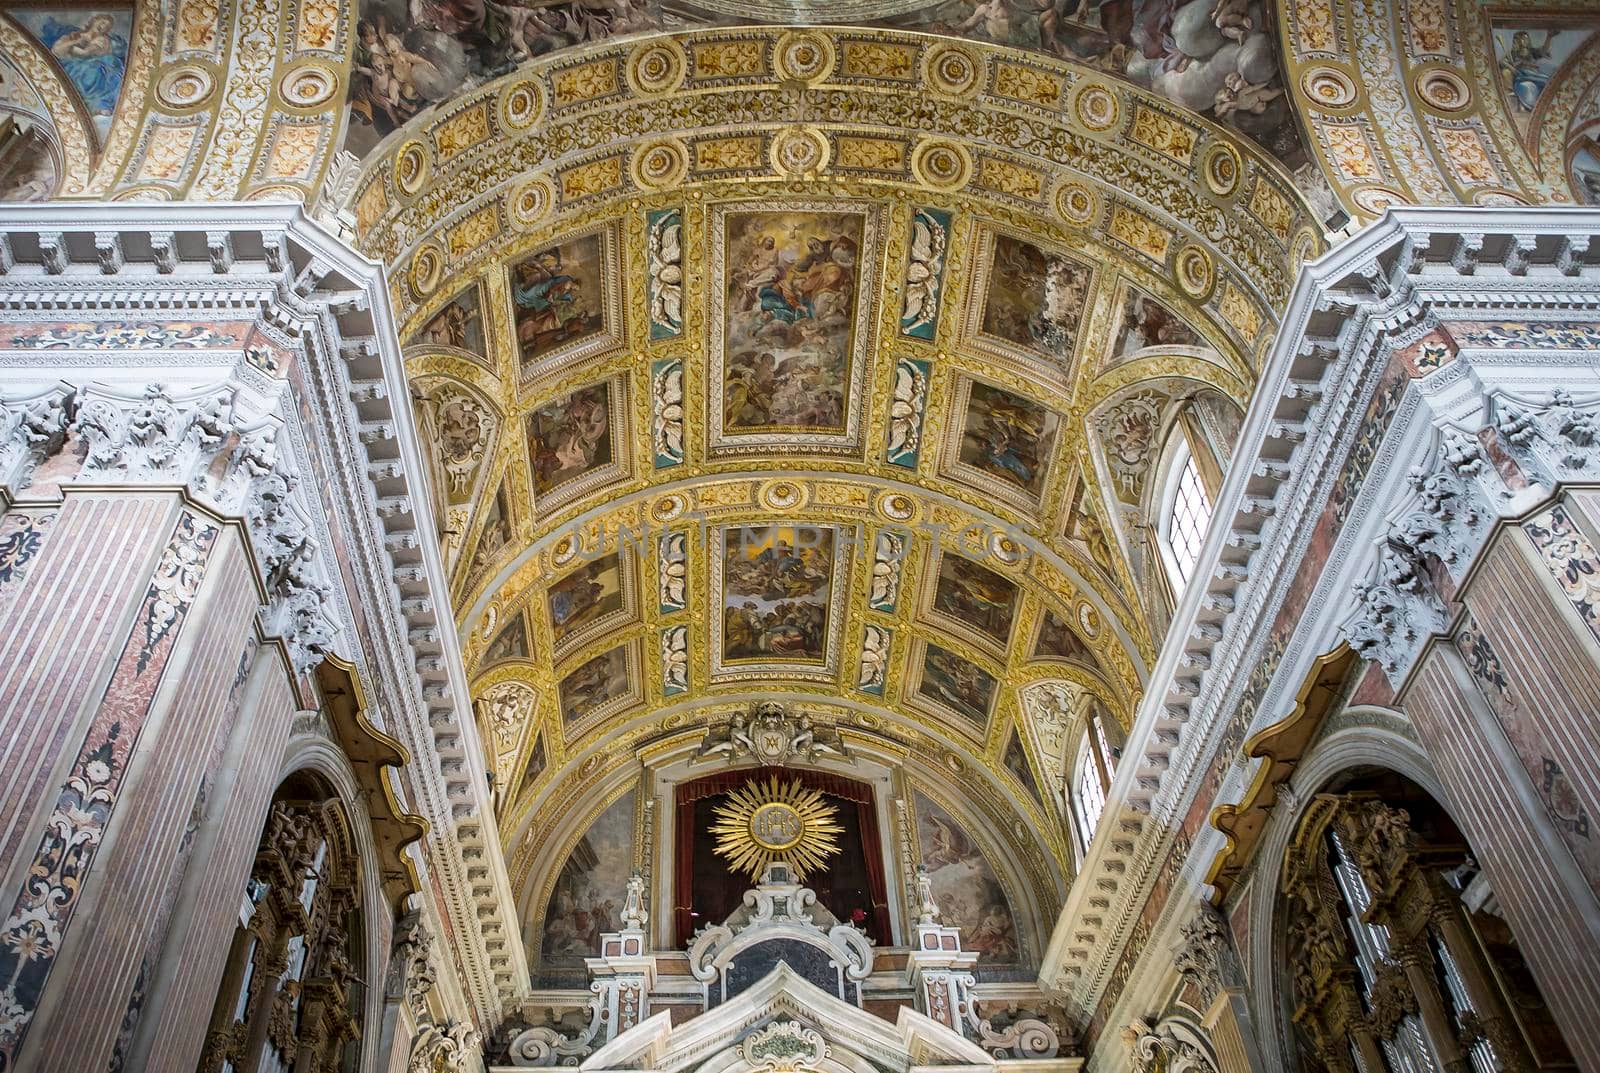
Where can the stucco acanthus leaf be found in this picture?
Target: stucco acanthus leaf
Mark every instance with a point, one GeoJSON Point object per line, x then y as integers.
{"type": "Point", "coordinates": [1169, 1046]}
{"type": "Point", "coordinates": [1205, 955]}
{"type": "Point", "coordinates": [453, 1048]}
{"type": "Point", "coordinates": [32, 430]}
{"type": "Point", "coordinates": [411, 972]}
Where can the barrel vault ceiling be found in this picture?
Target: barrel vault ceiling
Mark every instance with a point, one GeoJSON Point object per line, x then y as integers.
{"type": "Point", "coordinates": [821, 364]}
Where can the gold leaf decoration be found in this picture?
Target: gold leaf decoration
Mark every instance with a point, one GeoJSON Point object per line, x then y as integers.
{"type": "Point", "coordinates": [760, 824]}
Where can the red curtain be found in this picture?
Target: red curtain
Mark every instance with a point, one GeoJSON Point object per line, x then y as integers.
{"type": "Point", "coordinates": [872, 849]}
{"type": "Point", "coordinates": [722, 782]}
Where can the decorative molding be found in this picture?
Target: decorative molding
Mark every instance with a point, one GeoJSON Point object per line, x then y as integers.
{"type": "Point", "coordinates": [1279, 747]}
{"type": "Point", "coordinates": [1206, 957]}
{"type": "Point", "coordinates": [1171, 1045]}
{"type": "Point", "coordinates": [780, 908]}
{"type": "Point", "coordinates": [769, 734]}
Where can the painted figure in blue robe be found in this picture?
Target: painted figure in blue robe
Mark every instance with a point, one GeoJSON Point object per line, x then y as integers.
{"type": "Point", "coordinates": [547, 299]}
{"type": "Point", "coordinates": [1523, 68]}
{"type": "Point", "coordinates": [93, 55]}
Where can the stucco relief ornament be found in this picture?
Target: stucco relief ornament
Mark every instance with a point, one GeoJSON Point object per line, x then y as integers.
{"type": "Point", "coordinates": [784, 1047]}
{"type": "Point", "coordinates": [666, 413]}
{"type": "Point", "coordinates": [1170, 1046]}
{"type": "Point", "coordinates": [665, 262]}
{"type": "Point", "coordinates": [769, 735]}
{"type": "Point", "coordinates": [927, 907]}
{"type": "Point", "coordinates": [634, 915]}
{"type": "Point", "coordinates": [31, 432]}
{"type": "Point", "coordinates": [451, 1049]}
{"type": "Point", "coordinates": [507, 708]}
{"type": "Point", "coordinates": [872, 674]}
{"type": "Point", "coordinates": [889, 552]}
{"type": "Point", "coordinates": [1575, 427]}
{"type": "Point", "coordinates": [1396, 608]}
{"type": "Point", "coordinates": [924, 272]}
{"type": "Point", "coordinates": [545, 1046]}
{"type": "Point", "coordinates": [411, 973]}
{"type": "Point", "coordinates": [1205, 956]}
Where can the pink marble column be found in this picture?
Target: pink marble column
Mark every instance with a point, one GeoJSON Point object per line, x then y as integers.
{"type": "Point", "coordinates": [118, 660]}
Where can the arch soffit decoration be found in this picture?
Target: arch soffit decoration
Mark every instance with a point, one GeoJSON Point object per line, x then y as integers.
{"type": "Point", "coordinates": [316, 754]}
{"type": "Point", "coordinates": [1417, 114]}
{"type": "Point", "coordinates": [1359, 736]}
{"type": "Point", "coordinates": [59, 102]}
{"type": "Point", "coordinates": [218, 101]}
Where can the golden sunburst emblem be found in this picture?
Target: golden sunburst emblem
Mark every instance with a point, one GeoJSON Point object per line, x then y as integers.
{"type": "Point", "coordinates": [760, 824]}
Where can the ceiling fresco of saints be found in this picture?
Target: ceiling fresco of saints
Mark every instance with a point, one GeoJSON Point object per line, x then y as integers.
{"type": "Point", "coordinates": [956, 683]}
{"type": "Point", "coordinates": [1006, 437]}
{"type": "Point", "coordinates": [458, 326]}
{"type": "Point", "coordinates": [1034, 299]}
{"type": "Point", "coordinates": [777, 587]}
{"type": "Point", "coordinates": [600, 686]}
{"type": "Point", "coordinates": [791, 300]}
{"type": "Point", "coordinates": [557, 293]}
{"type": "Point", "coordinates": [789, 345]}
{"type": "Point", "coordinates": [1217, 59]}
{"type": "Point", "coordinates": [976, 597]}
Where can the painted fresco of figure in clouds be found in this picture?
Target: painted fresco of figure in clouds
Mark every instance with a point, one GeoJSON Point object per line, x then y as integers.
{"type": "Point", "coordinates": [1216, 57]}
{"type": "Point", "coordinates": [976, 596]}
{"type": "Point", "coordinates": [569, 436]}
{"type": "Point", "coordinates": [589, 894]}
{"type": "Point", "coordinates": [459, 325]}
{"type": "Point", "coordinates": [410, 54]}
{"type": "Point", "coordinates": [91, 47]}
{"type": "Point", "coordinates": [596, 683]}
{"type": "Point", "coordinates": [586, 595]}
{"type": "Point", "coordinates": [964, 886]}
{"type": "Point", "coordinates": [1034, 298]}
{"type": "Point", "coordinates": [510, 643]}
{"type": "Point", "coordinates": [793, 280]}
{"type": "Point", "coordinates": [958, 684]}
{"type": "Point", "coordinates": [776, 585]}
{"type": "Point", "coordinates": [556, 296]}
{"type": "Point", "coordinates": [1008, 436]}
{"type": "Point", "coordinates": [1016, 762]}
{"type": "Point", "coordinates": [1146, 322]}
{"type": "Point", "coordinates": [1057, 640]}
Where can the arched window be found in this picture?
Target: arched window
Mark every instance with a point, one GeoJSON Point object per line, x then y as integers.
{"type": "Point", "coordinates": [1185, 513]}
{"type": "Point", "coordinates": [292, 990]}
{"type": "Point", "coordinates": [1092, 772]}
